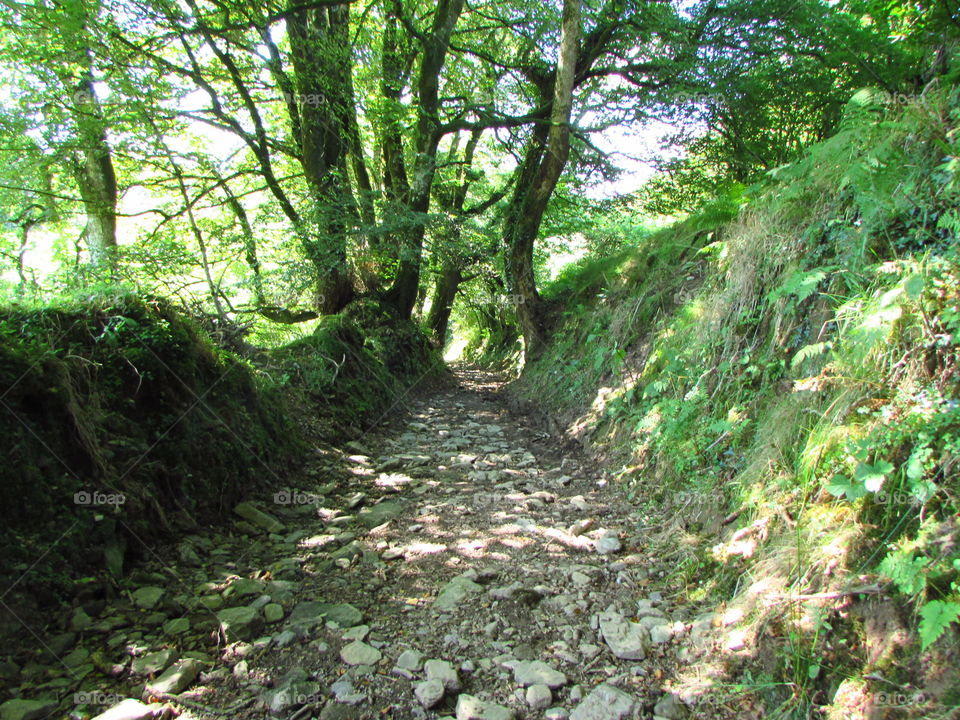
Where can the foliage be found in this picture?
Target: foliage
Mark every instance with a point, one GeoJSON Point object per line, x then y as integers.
{"type": "Point", "coordinates": [803, 356]}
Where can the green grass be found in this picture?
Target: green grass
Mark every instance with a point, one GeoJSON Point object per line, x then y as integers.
{"type": "Point", "coordinates": [799, 358]}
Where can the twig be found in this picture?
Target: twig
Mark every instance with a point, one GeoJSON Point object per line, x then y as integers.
{"type": "Point", "coordinates": [302, 712]}
{"type": "Point", "coordinates": [862, 590]}
{"type": "Point", "coordinates": [223, 712]}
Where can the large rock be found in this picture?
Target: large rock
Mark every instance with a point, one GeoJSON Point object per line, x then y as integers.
{"type": "Point", "coordinates": [539, 697]}
{"type": "Point", "coordinates": [311, 612]}
{"type": "Point", "coordinates": [240, 623]}
{"type": "Point", "coordinates": [359, 653]}
{"type": "Point", "coordinates": [146, 598]}
{"type": "Point", "coordinates": [273, 612]}
{"type": "Point", "coordinates": [153, 663]}
{"type": "Point", "coordinates": [443, 672]}
{"type": "Point", "coordinates": [244, 587]}
{"type": "Point", "coordinates": [605, 703]}
{"type": "Point", "coordinates": [410, 660]}
{"type": "Point", "coordinates": [429, 693]}
{"type": "Point", "coordinates": [455, 592]}
{"type": "Point", "coordinates": [473, 708]}
{"type": "Point", "coordinates": [608, 544]}
{"type": "Point", "coordinates": [131, 709]}
{"type": "Point", "coordinates": [670, 707]}
{"type": "Point", "coordinates": [256, 516]}
{"type": "Point", "coordinates": [627, 640]}
{"type": "Point", "coordinates": [27, 709]}
{"type": "Point", "coordinates": [371, 517]}
{"type": "Point", "coordinates": [175, 680]}
{"type": "Point", "coordinates": [296, 688]}
{"type": "Point", "coordinates": [536, 672]}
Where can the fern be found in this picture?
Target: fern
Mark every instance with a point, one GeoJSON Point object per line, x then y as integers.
{"type": "Point", "coordinates": [809, 351]}
{"type": "Point", "coordinates": [801, 285]}
{"type": "Point", "coordinates": [905, 571]}
{"type": "Point", "coordinates": [935, 618]}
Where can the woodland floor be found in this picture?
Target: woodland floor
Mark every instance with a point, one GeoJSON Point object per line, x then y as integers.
{"type": "Point", "coordinates": [457, 561]}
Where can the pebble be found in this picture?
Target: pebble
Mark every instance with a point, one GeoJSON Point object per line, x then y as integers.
{"type": "Point", "coordinates": [473, 708]}
{"type": "Point", "coordinates": [19, 709]}
{"type": "Point", "coordinates": [146, 598]}
{"type": "Point", "coordinates": [670, 707]}
{"type": "Point", "coordinates": [456, 592]}
{"type": "Point", "coordinates": [177, 626]}
{"type": "Point", "coordinates": [605, 702]}
{"type": "Point", "coordinates": [660, 634]}
{"type": "Point", "coordinates": [131, 709]}
{"type": "Point", "coordinates": [627, 640]}
{"type": "Point", "coordinates": [429, 692]}
{"type": "Point", "coordinates": [537, 672]}
{"type": "Point", "coordinates": [153, 663]}
{"type": "Point", "coordinates": [539, 697]}
{"type": "Point", "coordinates": [174, 680]}
{"type": "Point", "coordinates": [410, 660]}
{"type": "Point", "coordinates": [273, 612]}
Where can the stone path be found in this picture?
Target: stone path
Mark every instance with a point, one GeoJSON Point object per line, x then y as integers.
{"type": "Point", "coordinates": [454, 565]}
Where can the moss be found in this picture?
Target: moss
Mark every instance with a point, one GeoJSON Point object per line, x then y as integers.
{"type": "Point", "coordinates": [131, 400]}
{"type": "Point", "coordinates": [357, 364]}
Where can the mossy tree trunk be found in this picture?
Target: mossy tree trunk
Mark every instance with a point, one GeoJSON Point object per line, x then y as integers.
{"type": "Point", "coordinates": [545, 158]}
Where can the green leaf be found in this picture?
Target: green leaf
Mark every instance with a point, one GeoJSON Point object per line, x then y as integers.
{"type": "Point", "coordinates": [813, 671]}
{"type": "Point", "coordinates": [935, 617]}
{"type": "Point", "coordinates": [842, 486]}
{"type": "Point", "coordinates": [914, 468]}
{"type": "Point", "coordinates": [802, 284]}
{"type": "Point", "coordinates": [905, 571]}
{"type": "Point", "coordinates": [873, 476]}
{"type": "Point", "coordinates": [913, 286]}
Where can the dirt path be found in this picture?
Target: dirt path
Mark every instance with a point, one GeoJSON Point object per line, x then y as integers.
{"type": "Point", "coordinates": [453, 563]}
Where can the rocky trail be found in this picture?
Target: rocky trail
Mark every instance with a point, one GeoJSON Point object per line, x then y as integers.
{"type": "Point", "coordinates": [455, 563]}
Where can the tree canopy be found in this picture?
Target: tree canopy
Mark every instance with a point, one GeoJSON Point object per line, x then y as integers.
{"type": "Point", "coordinates": [278, 160]}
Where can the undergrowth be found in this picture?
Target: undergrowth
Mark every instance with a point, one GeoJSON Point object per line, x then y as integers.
{"type": "Point", "coordinates": [786, 381]}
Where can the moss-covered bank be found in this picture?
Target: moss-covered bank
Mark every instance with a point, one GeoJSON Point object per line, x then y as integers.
{"type": "Point", "coordinates": [122, 423]}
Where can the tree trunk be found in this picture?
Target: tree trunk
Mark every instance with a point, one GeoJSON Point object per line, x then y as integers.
{"type": "Point", "coordinates": [402, 295]}
{"type": "Point", "coordinates": [249, 241]}
{"type": "Point", "coordinates": [96, 180]}
{"type": "Point", "coordinates": [538, 178]}
{"type": "Point", "coordinates": [322, 59]}
{"type": "Point", "coordinates": [453, 262]}
{"type": "Point", "coordinates": [445, 291]}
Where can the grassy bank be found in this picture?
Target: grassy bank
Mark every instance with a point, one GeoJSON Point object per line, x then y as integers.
{"type": "Point", "coordinates": [775, 380]}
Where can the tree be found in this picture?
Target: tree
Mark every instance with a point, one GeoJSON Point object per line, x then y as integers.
{"type": "Point", "coordinates": [544, 161]}
{"type": "Point", "coordinates": [415, 193]}
{"type": "Point", "coordinates": [60, 101]}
